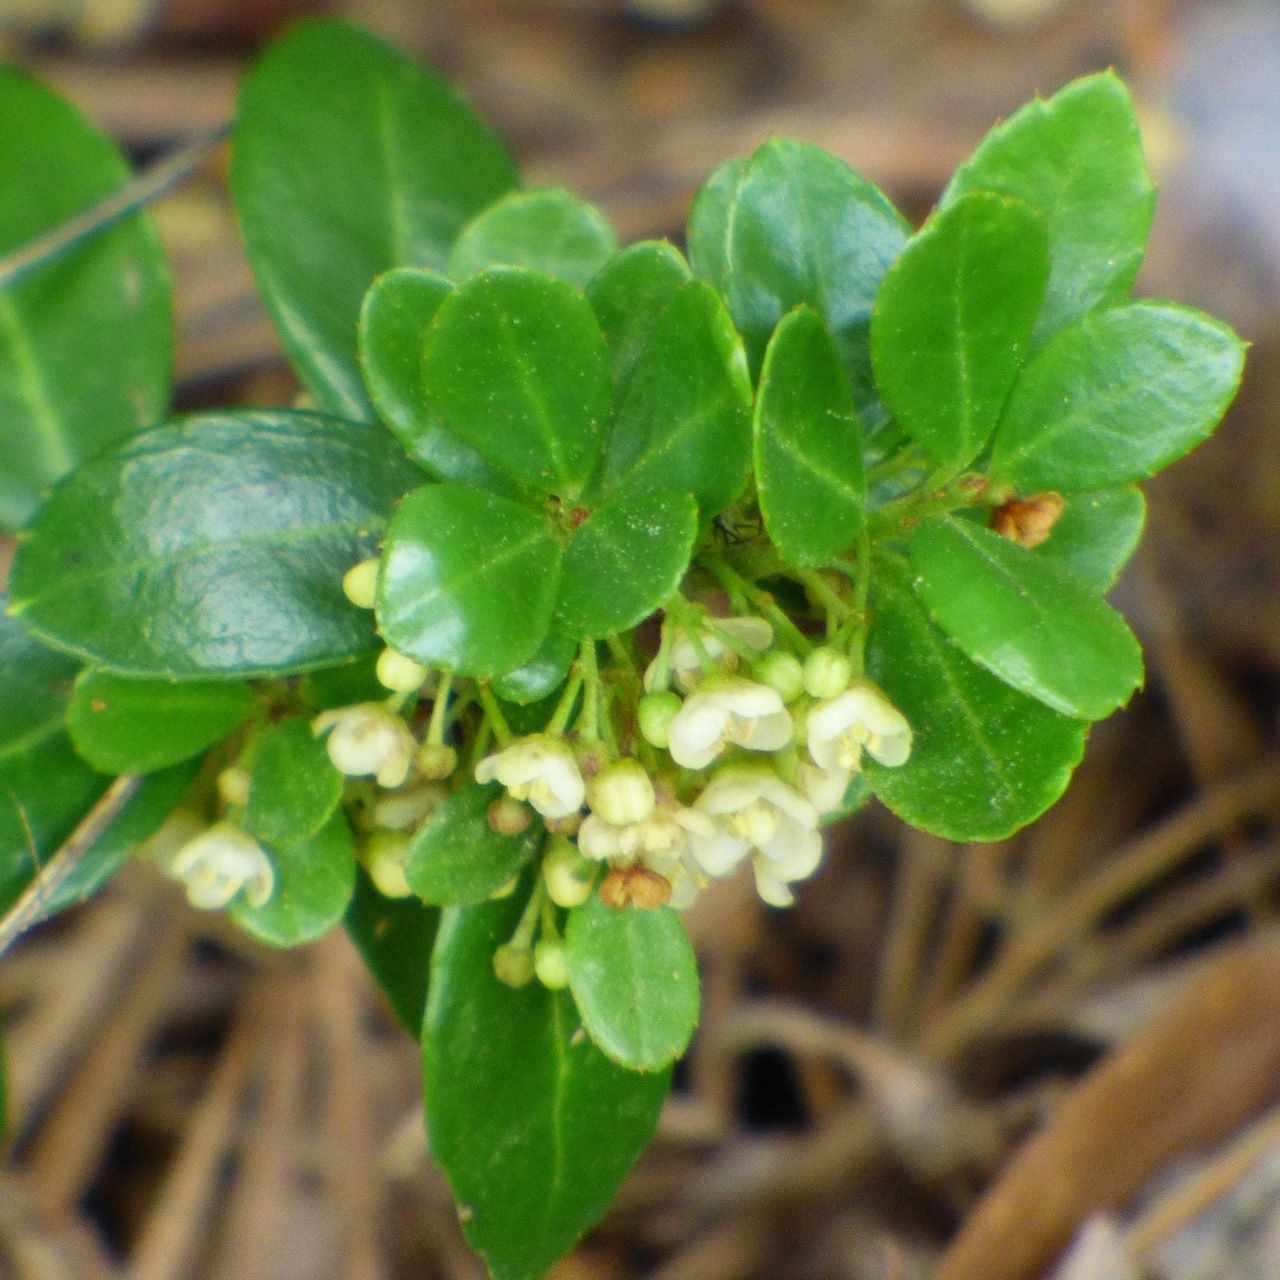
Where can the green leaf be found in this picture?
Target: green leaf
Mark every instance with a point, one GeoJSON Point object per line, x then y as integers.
{"type": "Point", "coordinates": [534, 1127]}
{"type": "Point", "coordinates": [1096, 534]}
{"type": "Point", "coordinates": [1077, 161]}
{"type": "Point", "coordinates": [1117, 397]}
{"type": "Point", "coordinates": [86, 339]}
{"type": "Point", "coordinates": [467, 581]}
{"type": "Point", "coordinates": [953, 320]}
{"type": "Point", "coordinates": [985, 760]}
{"type": "Point", "coordinates": [635, 979]}
{"type": "Point", "coordinates": [806, 229]}
{"type": "Point", "coordinates": [711, 222]}
{"type": "Point", "coordinates": [394, 320]}
{"type": "Point", "coordinates": [683, 423]}
{"type": "Point", "coordinates": [628, 296]}
{"type": "Point", "coordinates": [293, 788]}
{"type": "Point", "coordinates": [459, 859]}
{"type": "Point", "coordinates": [315, 878]}
{"type": "Point", "coordinates": [547, 230]}
{"type": "Point", "coordinates": [1021, 617]}
{"type": "Point", "coordinates": [623, 562]}
{"type": "Point", "coordinates": [35, 684]}
{"type": "Point", "coordinates": [543, 674]}
{"type": "Point", "coordinates": [350, 159]}
{"type": "Point", "coordinates": [344, 685]}
{"type": "Point", "coordinates": [517, 368]}
{"type": "Point", "coordinates": [139, 726]}
{"type": "Point", "coordinates": [212, 546]}
{"type": "Point", "coordinates": [808, 444]}
{"type": "Point", "coordinates": [395, 936]}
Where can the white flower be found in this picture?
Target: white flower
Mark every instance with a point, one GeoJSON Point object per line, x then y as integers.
{"type": "Point", "coordinates": [685, 663]}
{"type": "Point", "coordinates": [662, 833]}
{"type": "Point", "coordinates": [539, 769]}
{"type": "Point", "coordinates": [219, 863]}
{"type": "Point", "coordinates": [724, 712]}
{"type": "Point", "coordinates": [368, 740]}
{"type": "Point", "coordinates": [757, 814]}
{"type": "Point", "coordinates": [824, 788]}
{"type": "Point", "coordinates": [861, 716]}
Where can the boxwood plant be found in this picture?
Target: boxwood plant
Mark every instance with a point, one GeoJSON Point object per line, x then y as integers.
{"type": "Point", "coordinates": [580, 576]}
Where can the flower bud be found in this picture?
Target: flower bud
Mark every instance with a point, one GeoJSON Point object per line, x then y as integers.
{"type": "Point", "coordinates": [407, 809]}
{"type": "Point", "coordinates": [1028, 521]}
{"type": "Point", "coordinates": [399, 673]}
{"type": "Point", "coordinates": [233, 785]}
{"type": "Point", "coordinates": [655, 714]}
{"type": "Point", "coordinates": [783, 673]}
{"type": "Point", "coordinates": [368, 740]}
{"type": "Point", "coordinates": [621, 793]}
{"type": "Point", "coordinates": [383, 856]}
{"type": "Point", "coordinates": [826, 672]}
{"type": "Point", "coordinates": [436, 760]}
{"type": "Point", "coordinates": [360, 582]}
{"type": "Point", "coordinates": [568, 875]}
{"type": "Point", "coordinates": [635, 887]}
{"type": "Point", "coordinates": [569, 825]}
{"type": "Point", "coordinates": [508, 817]}
{"type": "Point", "coordinates": [551, 964]}
{"type": "Point", "coordinates": [513, 965]}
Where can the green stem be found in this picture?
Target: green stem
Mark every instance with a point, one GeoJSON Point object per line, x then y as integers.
{"type": "Point", "coordinates": [522, 939]}
{"type": "Point", "coordinates": [589, 720]}
{"type": "Point", "coordinates": [440, 710]}
{"type": "Point", "coordinates": [760, 600]}
{"type": "Point", "coordinates": [564, 708]}
{"type": "Point", "coordinates": [493, 714]}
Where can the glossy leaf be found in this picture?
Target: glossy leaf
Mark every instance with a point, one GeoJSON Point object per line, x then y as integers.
{"type": "Point", "coordinates": [350, 159]}
{"type": "Point", "coordinates": [213, 546]}
{"type": "Point", "coordinates": [343, 685]}
{"type": "Point", "coordinates": [518, 370]}
{"type": "Point", "coordinates": [547, 230]}
{"type": "Point", "coordinates": [953, 321]}
{"type": "Point", "coordinates": [986, 759]}
{"type": "Point", "coordinates": [1117, 397]}
{"type": "Point", "coordinates": [315, 878]}
{"type": "Point", "coordinates": [1096, 534]}
{"type": "Point", "coordinates": [395, 936]}
{"type": "Point", "coordinates": [467, 581]}
{"type": "Point", "coordinates": [394, 320]}
{"type": "Point", "coordinates": [458, 858]}
{"type": "Point", "coordinates": [711, 222]}
{"type": "Point", "coordinates": [86, 339]}
{"type": "Point", "coordinates": [683, 422]}
{"type": "Point", "coordinates": [139, 726]}
{"type": "Point", "coordinates": [808, 444]}
{"type": "Point", "coordinates": [1032, 624]}
{"type": "Point", "coordinates": [805, 228]}
{"type": "Point", "coordinates": [635, 979]}
{"type": "Point", "coordinates": [35, 684]}
{"type": "Point", "coordinates": [629, 294]}
{"type": "Point", "coordinates": [542, 674]}
{"type": "Point", "coordinates": [624, 562]}
{"type": "Point", "coordinates": [1077, 160]}
{"type": "Point", "coordinates": [293, 788]}
{"type": "Point", "coordinates": [532, 1124]}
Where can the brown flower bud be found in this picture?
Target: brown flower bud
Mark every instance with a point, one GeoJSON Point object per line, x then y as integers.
{"type": "Point", "coordinates": [1028, 521]}
{"type": "Point", "coordinates": [635, 887]}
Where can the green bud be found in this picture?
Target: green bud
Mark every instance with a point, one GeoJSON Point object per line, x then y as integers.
{"type": "Point", "coordinates": [568, 875]}
{"type": "Point", "coordinates": [383, 856]}
{"type": "Point", "coordinates": [360, 583]}
{"type": "Point", "coordinates": [551, 964]}
{"type": "Point", "coordinates": [655, 714]}
{"type": "Point", "coordinates": [782, 672]}
{"type": "Point", "coordinates": [436, 760]}
{"type": "Point", "coordinates": [398, 673]}
{"type": "Point", "coordinates": [513, 965]}
{"type": "Point", "coordinates": [508, 817]}
{"type": "Point", "coordinates": [233, 785]}
{"type": "Point", "coordinates": [827, 672]}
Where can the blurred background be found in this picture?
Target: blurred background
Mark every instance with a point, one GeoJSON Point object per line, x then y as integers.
{"type": "Point", "coordinates": [1058, 1056]}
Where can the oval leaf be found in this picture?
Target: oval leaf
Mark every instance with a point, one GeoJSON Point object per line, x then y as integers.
{"type": "Point", "coordinates": [953, 321]}
{"type": "Point", "coordinates": [315, 879]}
{"type": "Point", "coordinates": [293, 787]}
{"type": "Point", "coordinates": [1077, 161]}
{"type": "Point", "coordinates": [808, 444]}
{"type": "Point", "coordinates": [624, 562]}
{"type": "Point", "coordinates": [459, 859]}
{"type": "Point", "coordinates": [35, 684]}
{"type": "Point", "coordinates": [1032, 624]}
{"type": "Point", "coordinates": [213, 546]}
{"type": "Point", "coordinates": [547, 230]}
{"type": "Point", "coordinates": [711, 220]}
{"type": "Point", "coordinates": [534, 1127]}
{"type": "Point", "coordinates": [1096, 534]}
{"type": "Point", "coordinates": [86, 339]}
{"type": "Point", "coordinates": [543, 674]}
{"type": "Point", "coordinates": [139, 726]}
{"type": "Point", "coordinates": [635, 979]}
{"type": "Point", "coordinates": [1117, 397]}
{"type": "Point", "coordinates": [467, 581]}
{"type": "Point", "coordinates": [986, 760]}
{"type": "Point", "coordinates": [350, 159]}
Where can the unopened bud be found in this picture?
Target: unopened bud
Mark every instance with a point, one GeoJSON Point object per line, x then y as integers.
{"type": "Point", "coordinates": [551, 964]}
{"type": "Point", "coordinates": [508, 817]}
{"type": "Point", "coordinates": [568, 875]}
{"type": "Point", "coordinates": [383, 856]}
{"type": "Point", "coordinates": [360, 583]}
{"type": "Point", "coordinates": [436, 760]}
{"type": "Point", "coordinates": [826, 672]}
{"type": "Point", "coordinates": [566, 826]}
{"type": "Point", "coordinates": [621, 793]}
{"type": "Point", "coordinates": [398, 673]}
{"type": "Point", "coordinates": [1028, 521]}
{"type": "Point", "coordinates": [783, 673]}
{"type": "Point", "coordinates": [233, 785]}
{"type": "Point", "coordinates": [635, 887]}
{"type": "Point", "coordinates": [513, 965]}
{"type": "Point", "coordinates": [655, 714]}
